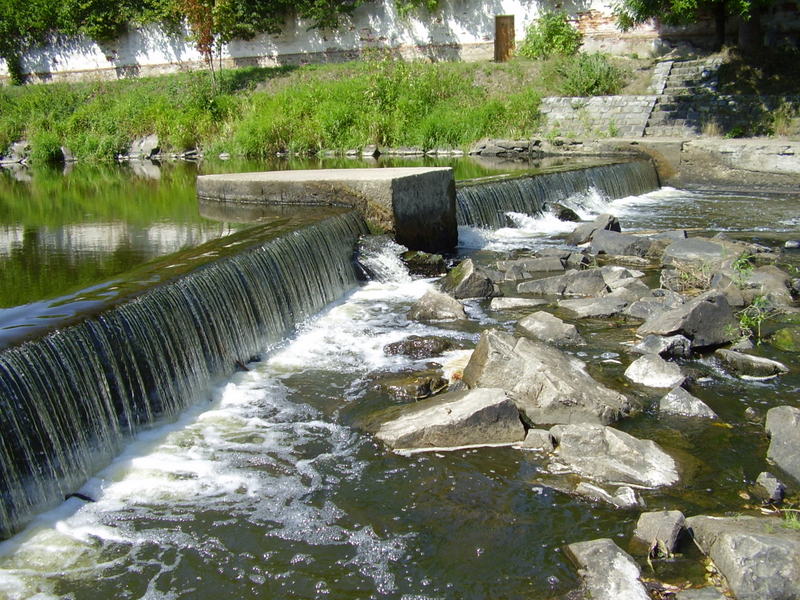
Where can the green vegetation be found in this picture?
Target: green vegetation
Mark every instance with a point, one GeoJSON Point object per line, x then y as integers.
{"type": "Point", "coordinates": [257, 112]}
{"type": "Point", "coordinates": [752, 317]}
{"type": "Point", "coordinates": [588, 75]}
{"type": "Point", "coordinates": [551, 34]}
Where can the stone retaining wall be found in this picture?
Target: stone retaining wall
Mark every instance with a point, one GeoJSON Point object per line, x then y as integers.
{"type": "Point", "coordinates": [601, 116]}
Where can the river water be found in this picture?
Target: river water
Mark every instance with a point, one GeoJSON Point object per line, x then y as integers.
{"type": "Point", "coordinates": [269, 488]}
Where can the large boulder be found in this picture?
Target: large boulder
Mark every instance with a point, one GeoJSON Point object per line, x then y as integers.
{"type": "Point", "coordinates": [607, 454]}
{"type": "Point", "coordinates": [453, 420]}
{"type": "Point", "coordinates": [468, 281]}
{"type": "Point", "coordinates": [608, 572]}
{"type": "Point", "coordinates": [759, 557]}
{"type": "Point", "coordinates": [436, 306]}
{"type": "Point", "coordinates": [144, 147]}
{"type": "Point", "coordinates": [653, 371]}
{"type": "Point", "coordinates": [749, 365]}
{"type": "Point", "coordinates": [547, 385]}
{"type": "Point", "coordinates": [679, 402]}
{"type": "Point", "coordinates": [707, 320]}
{"type": "Point", "coordinates": [545, 327]}
{"type": "Point", "coordinates": [659, 302]}
{"type": "Point", "coordinates": [623, 244]}
{"type": "Point", "coordinates": [696, 251]}
{"type": "Point", "coordinates": [573, 283]}
{"type": "Point", "coordinates": [783, 427]}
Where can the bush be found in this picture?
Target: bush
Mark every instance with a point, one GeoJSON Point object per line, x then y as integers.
{"type": "Point", "coordinates": [551, 34]}
{"type": "Point", "coordinates": [589, 75]}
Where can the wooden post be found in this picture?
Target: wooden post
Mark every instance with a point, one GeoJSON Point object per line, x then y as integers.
{"type": "Point", "coordinates": [503, 37]}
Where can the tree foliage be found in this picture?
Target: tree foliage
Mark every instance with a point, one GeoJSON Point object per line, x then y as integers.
{"type": "Point", "coordinates": [25, 23]}
{"type": "Point", "coordinates": [550, 34]}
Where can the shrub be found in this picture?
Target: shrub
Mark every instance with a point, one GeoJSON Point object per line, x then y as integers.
{"type": "Point", "coordinates": [551, 34]}
{"type": "Point", "coordinates": [589, 75]}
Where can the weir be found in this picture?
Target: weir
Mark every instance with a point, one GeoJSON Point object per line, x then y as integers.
{"type": "Point", "coordinates": [71, 399]}
{"type": "Point", "coordinates": [142, 351]}
{"type": "Point", "coordinates": [484, 204]}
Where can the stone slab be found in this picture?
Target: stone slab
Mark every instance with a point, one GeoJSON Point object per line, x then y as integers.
{"type": "Point", "coordinates": [416, 204]}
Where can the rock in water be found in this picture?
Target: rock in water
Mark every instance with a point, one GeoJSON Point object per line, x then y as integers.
{"type": "Point", "coordinates": [436, 306]}
{"type": "Point", "coordinates": [545, 327]}
{"type": "Point", "coordinates": [747, 364]}
{"type": "Point", "coordinates": [770, 487]}
{"type": "Point", "coordinates": [681, 403]}
{"type": "Point", "coordinates": [416, 346]}
{"type": "Point", "coordinates": [572, 283]}
{"type": "Point", "coordinates": [759, 557]}
{"type": "Point", "coordinates": [707, 320]}
{"type": "Point", "coordinates": [653, 371]}
{"type": "Point", "coordinates": [468, 281]}
{"type": "Point", "coordinates": [664, 526]}
{"type": "Point", "coordinates": [515, 303]}
{"type": "Point", "coordinates": [615, 243]}
{"type": "Point", "coordinates": [608, 572]}
{"type": "Point", "coordinates": [607, 454]}
{"type": "Point", "coordinates": [547, 385]}
{"type": "Point", "coordinates": [783, 427]}
{"type": "Point", "coordinates": [456, 419]}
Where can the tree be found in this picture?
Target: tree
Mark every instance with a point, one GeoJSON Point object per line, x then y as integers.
{"type": "Point", "coordinates": [630, 13]}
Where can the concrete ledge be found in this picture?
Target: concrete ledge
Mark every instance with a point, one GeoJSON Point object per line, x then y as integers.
{"type": "Point", "coordinates": [416, 204]}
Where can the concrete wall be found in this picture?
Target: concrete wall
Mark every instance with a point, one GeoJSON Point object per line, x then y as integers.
{"type": "Point", "coordinates": [461, 29]}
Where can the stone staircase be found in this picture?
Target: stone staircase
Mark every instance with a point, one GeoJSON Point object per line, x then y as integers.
{"type": "Point", "coordinates": [683, 89]}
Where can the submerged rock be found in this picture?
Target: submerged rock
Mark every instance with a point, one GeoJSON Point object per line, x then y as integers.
{"type": "Point", "coordinates": [707, 320]}
{"type": "Point", "coordinates": [545, 327]}
{"type": "Point", "coordinates": [436, 306]}
{"type": "Point", "coordinates": [607, 454]}
{"type": "Point", "coordinates": [706, 593]}
{"type": "Point", "coordinates": [681, 403]}
{"type": "Point", "coordinates": [786, 339]}
{"type": "Point", "coordinates": [623, 497]}
{"type": "Point", "coordinates": [468, 281]}
{"type": "Point", "coordinates": [608, 572]}
{"type": "Point", "coordinates": [547, 385]}
{"type": "Point", "coordinates": [456, 419]}
{"type": "Point", "coordinates": [653, 371]}
{"type": "Point", "coordinates": [415, 346]}
{"type": "Point", "coordinates": [783, 427]}
{"type": "Point", "coordinates": [662, 527]}
{"type": "Point", "coordinates": [747, 364]}
{"type": "Point", "coordinates": [759, 557]}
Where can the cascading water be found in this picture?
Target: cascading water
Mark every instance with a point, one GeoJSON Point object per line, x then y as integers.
{"type": "Point", "coordinates": [70, 399]}
{"type": "Point", "coordinates": [486, 204]}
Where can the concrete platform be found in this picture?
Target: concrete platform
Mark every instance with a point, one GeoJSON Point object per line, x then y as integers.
{"type": "Point", "coordinates": [416, 204]}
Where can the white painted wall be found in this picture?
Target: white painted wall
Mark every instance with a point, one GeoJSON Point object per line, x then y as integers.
{"type": "Point", "coordinates": [459, 29]}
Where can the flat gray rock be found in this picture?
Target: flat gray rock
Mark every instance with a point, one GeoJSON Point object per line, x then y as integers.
{"type": "Point", "coordinates": [625, 244]}
{"type": "Point", "coordinates": [696, 251]}
{"type": "Point", "coordinates": [681, 403]}
{"type": "Point", "coordinates": [707, 320]}
{"type": "Point", "coordinates": [653, 371]}
{"type": "Point", "coordinates": [437, 306]}
{"type": "Point", "coordinates": [663, 526]}
{"type": "Point", "coordinates": [706, 593]}
{"type": "Point", "coordinates": [506, 303]}
{"type": "Point", "coordinates": [783, 427]}
{"type": "Point", "coordinates": [453, 420]}
{"type": "Point", "coordinates": [606, 306]}
{"type": "Point", "coordinates": [608, 572]}
{"type": "Point", "coordinates": [607, 454]}
{"type": "Point", "coordinates": [758, 556]}
{"type": "Point", "coordinates": [589, 282]}
{"type": "Point", "coordinates": [547, 328]}
{"type": "Point", "coordinates": [547, 385]}
{"type": "Point", "coordinates": [539, 440]}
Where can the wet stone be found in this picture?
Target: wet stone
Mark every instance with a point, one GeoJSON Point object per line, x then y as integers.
{"type": "Point", "coordinates": [415, 346]}
{"type": "Point", "coordinates": [659, 527]}
{"type": "Point", "coordinates": [653, 371]}
{"type": "Point", "coordinates": [608, 572]}
{"type": "Point", "coordinates": [770, 487]}
{"type": "Point", "coordinates": [436, 306]}
{"type": "Point", "coordinates": [676, 346]}
{"type": "Point", "coordinates": [681, 403]}
{"type": "Point", "coordinates": [545, 327]}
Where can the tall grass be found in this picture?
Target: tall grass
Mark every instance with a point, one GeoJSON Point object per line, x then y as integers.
{"type": "Point", "coordinates": [257, 112]}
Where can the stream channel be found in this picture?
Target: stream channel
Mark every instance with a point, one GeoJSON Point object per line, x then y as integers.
{"type": "Point", "coordinates": [269, 488]}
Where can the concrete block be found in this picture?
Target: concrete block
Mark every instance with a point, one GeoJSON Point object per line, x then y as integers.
{"type": "Point", "coordinates": [416, 204]}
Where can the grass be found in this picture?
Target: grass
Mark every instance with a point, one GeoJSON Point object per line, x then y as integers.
{"type": "Point", "coordinates": [256, 112]}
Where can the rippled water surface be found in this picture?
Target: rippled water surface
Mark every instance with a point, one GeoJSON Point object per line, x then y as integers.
{"type": "Point", "coordinates": [269, 487]}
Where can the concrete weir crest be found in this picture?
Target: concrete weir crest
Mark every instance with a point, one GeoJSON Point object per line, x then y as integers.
{"type": "Point", "coordinates": [416, 204]}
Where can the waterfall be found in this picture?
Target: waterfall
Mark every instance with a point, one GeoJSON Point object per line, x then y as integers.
{"type": "Point", "coordinates": [70, 399]}
{"type": "Point", "coordinates": [485, 204]}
